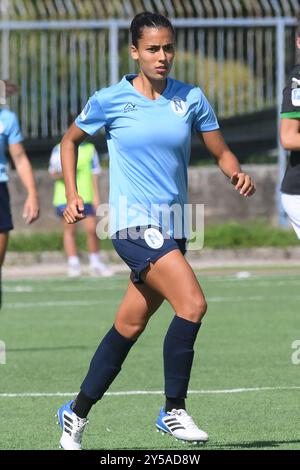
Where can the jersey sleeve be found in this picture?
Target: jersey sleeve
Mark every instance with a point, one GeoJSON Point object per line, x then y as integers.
{"type": "Point", "coordinates": [14, 131]}
{"type": "Point", "coordinates": [55, 163]}
{"type": "Point", "coordinates": [205, 118]}
{"type": "Point", "coordinates": [92, 118]}
{"type": "Point", "coordinates": [96, 168]}
{"type": "Point", "coordinates": [291, 96]}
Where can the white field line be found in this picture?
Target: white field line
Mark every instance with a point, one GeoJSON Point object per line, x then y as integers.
{"type": "Point", "coordinates": [58, 303]}
{"type": "Point", "coordinates": [253, 279]}
{"type": "Point", "coordinates": [95, 287]}
{"type": "Point", "coordinates": [87, 303]}
{"type": "Point", "coordinates": [151, 392]}
{"type": "Point", "coordinates": [81, 288]}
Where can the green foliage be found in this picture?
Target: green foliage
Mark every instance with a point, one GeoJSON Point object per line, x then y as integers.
{"type": "Point", "coordinates": [225, 83]}
{"type": "Point", "coordinates": [254, 234]}
{"type": "Point", "coordinates": [37, 242]}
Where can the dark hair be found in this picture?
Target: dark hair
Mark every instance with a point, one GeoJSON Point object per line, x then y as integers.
{"type": "Point", "coordinates": [146, 19]}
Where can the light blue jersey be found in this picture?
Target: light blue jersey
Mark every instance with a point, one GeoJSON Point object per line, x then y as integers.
{"type": "Point", "coordinates": [149, 144]}
{"type": "Point", "coordinates": [9, 134]}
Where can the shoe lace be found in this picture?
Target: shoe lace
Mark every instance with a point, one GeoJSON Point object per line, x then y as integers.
{"type": "Point", "coordinates": [78, 428]}
{"type": "Point", "coordinates": [185, 419]}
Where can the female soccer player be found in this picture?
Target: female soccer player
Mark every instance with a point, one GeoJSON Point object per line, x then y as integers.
{"type": "Point", "coordinates": [290, 139]}
{"type": "Point", "coordinates": [88, 170]}
{"type": "Point", "coordinates": [11, 137]}
{"type": "Point", "coordinates": [149, 119]}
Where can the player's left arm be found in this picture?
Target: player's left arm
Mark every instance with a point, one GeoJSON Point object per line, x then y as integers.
{"type": "Point", "coordinates": [289, 134]}
{"type": "Point", "coordinates": [228, 162]}
{"type": "Point", "coordinates": [24, 169]}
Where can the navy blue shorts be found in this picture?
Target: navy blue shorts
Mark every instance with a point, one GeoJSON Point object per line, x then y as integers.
{"type": "Point", "coordinates": [88, 209]}
{"type": "Point", "coordinates": [140, 246]}
{"type": "Point", "coordinates": [5, 215]}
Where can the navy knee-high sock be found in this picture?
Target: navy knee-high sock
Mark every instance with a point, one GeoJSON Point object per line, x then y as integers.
{"type": "Point", "coordinates": [106, 364]}
{"type": "Point", "coordinates": [178, 356]}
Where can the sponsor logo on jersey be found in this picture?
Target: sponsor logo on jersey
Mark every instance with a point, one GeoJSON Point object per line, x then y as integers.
{"type": "Point", "coordinates": [178, 106]}
{"type": "Point", "coordinates": [130, 107]}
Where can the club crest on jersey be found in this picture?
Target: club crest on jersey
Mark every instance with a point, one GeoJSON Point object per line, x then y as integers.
{"type": "Point", "coordinates": [296, 96]}
{"type": "Point", "coordinates": [85, 111]}
{"type": "Point", "coordinates": [178, 106]}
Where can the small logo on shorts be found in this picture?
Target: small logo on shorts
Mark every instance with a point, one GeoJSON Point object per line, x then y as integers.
{"type": "Point", "coordinates": [153, 238]}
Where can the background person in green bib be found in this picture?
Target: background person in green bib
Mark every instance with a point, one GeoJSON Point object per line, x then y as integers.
{"type": "Point", "coordinates": [88, 169]}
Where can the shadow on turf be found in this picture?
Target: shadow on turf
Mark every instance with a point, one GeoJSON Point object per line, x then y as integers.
{"type": "Point", "coordinates": [60, 348]}
{"type": "Point", "coordinates": [180, 446]}
{"type": "Point", "coordinates": [255, 444]}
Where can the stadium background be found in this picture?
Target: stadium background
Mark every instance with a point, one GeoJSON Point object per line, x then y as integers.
{"type": "Point", "coordinates": [238, 51]}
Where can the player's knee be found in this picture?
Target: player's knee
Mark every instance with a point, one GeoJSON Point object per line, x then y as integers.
{"type": "Point", "coordinates": [196, 309]}
{"type": "Point", "coordinates": [90, 231]}
{"type": "Point", "coordinates": [70, 234]}
{"type": "Point", "coordinates": [203, 309]}
{"type": "Point", "coordinates": [131, 330]}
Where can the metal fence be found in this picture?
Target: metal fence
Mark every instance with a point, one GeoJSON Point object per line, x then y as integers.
{"type": "Point", "coordinates": [59, 64]}
{"type": "Point", "coordinates": [104, 9]}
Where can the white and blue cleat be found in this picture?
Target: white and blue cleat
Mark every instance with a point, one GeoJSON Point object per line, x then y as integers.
{"type": "Point", "coordinates": [72, 427]}
{"type": "Point", "coordinates": [180, 425]}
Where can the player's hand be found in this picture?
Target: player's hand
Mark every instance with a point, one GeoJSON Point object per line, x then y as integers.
{"type": "Point", "coordinates": [74, 210]}
{"type": "Point", "coordinates": [243, 183]}
{"type": "Point", "coordinates": [31, 209]}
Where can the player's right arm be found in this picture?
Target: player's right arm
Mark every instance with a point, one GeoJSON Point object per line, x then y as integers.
{"type": "Point", "coordinates": [69, 153]}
